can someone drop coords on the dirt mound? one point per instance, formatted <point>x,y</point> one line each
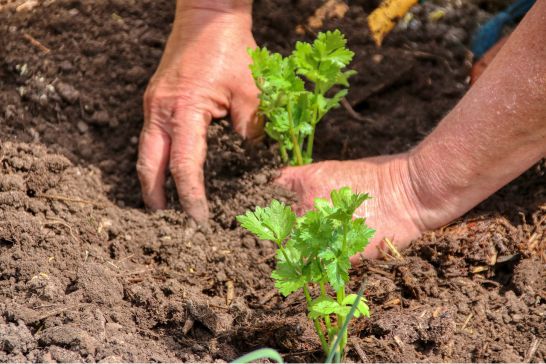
<point>86,274</point>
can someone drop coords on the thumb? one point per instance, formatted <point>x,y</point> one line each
<point>188,153</point>
<point>289,179</point>
<point>246,119</point>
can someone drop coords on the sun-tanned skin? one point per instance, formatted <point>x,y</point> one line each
<point>495,132</point>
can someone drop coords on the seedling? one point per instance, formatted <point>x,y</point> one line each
<point>293,107</point>
<point>314,251</point>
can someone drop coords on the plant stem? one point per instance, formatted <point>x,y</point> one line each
<point>318,329</point>
<point>295,141</point>
<point>341,296</point>
<point>283,251</point>
<point>343,341</point>
<point>297,151</point>
<point>284,155</point>
<point>345,323</point>
<point>310,140</point>
<point>327,317</point>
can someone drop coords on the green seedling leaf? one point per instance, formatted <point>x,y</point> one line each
<point>323,306</point>
<point>346,201</point>
<point>288,277</point>
<point>314,249</point>
<point>271,223</point>
<point>361,308</point>
<point>337,271</point>
<point>291,109</point>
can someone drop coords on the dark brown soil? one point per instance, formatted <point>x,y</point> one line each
<point>86,274</point>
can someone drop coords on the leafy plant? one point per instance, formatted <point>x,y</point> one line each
<point>292,111</point>
<point>314,251</point>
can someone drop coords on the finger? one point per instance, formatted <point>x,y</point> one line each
<point>246,119</point>
<point>153,156</point>
<point>188,153</point>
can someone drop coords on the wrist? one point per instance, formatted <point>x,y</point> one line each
<point>218,6</point>
<point>198,14</point>
<point>441,189</point>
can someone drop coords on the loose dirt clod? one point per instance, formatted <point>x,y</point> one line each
<point>62,299</point>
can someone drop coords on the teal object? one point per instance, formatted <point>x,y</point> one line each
<point>489,33</point>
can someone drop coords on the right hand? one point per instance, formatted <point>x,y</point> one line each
<point>394,211</point>
<point>203,74</point>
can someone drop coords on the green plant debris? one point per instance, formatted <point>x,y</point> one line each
<point>314,251</point>
<point>291,109</point>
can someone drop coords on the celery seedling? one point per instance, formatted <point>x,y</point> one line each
<point>314,250</point>
<point>291,110</point>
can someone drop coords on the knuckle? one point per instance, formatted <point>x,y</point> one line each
<point>182,167</point>
<point>142,168</point>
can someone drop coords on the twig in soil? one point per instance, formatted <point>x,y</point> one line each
<point>188,324</point>
<point>230,292</point>
<point>393,249</point>
<point>384,253</point>
<point>53,313</point>
<point>135,273</point>
<point>62,223</point>
<point>68,199</point>
<point>359,351</point>
<point>381,272</point>
<point>36,43</point>
<point>482,280</point>
<point>266,258</point>
<point>430,56</point>
<point>532,350</point>
<point>268,297</point>
<point>479,269</point>
<point>219,307</point>
<point>355,114</point>
<point>399,342</point>
<point>393,302</point>
<point>465,323</point>
<point>112,264</point>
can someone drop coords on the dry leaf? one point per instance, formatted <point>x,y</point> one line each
<point>383,19</point>
<point>330,9</point>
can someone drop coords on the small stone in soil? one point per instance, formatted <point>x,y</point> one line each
<point>455,36</point>
<point>66,66</point>
<point>67,92</point>
<point>100,118</point>
<point>82,127</point>
<point>260,179</point>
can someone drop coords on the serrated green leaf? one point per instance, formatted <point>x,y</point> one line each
<point>362,307</point>
<point>331,47</point>
<point>274,222</point>
<point>288,278</point>
<point>358,236</point>
<point>337,271</point>
<point>323,206</point>
<point>345,201</point>
<point>314,233</point>
<point>252,222</point>
<point>324,306</point>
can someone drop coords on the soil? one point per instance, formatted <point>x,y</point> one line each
<point>87,274</point>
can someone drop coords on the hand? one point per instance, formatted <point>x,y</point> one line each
<point>203,74</point>
<point>394,211</point>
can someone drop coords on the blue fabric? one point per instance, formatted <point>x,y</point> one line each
<point>489,33</point>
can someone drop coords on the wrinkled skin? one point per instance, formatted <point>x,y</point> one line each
<point>494,134</point>
<point>394,210</point>
<point>203,74</point>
